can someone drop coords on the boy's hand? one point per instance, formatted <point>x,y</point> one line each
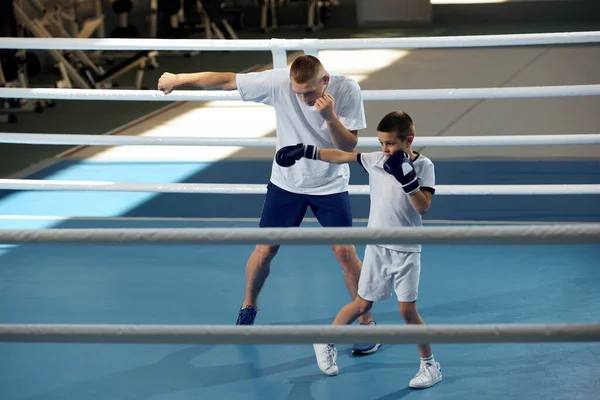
<point>288,155</point>
<point>401,167</point>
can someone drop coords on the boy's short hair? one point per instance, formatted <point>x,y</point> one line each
<point>304,68</point>
<point>399,123</point>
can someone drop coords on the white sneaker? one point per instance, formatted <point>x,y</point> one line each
<point>326,358</point>
<point>428,375</point>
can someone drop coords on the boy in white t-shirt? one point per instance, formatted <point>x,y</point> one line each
<point>312,106</point>
<point>402,183</point>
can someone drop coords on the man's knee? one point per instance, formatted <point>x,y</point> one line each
<point>344,253</point>
<point>265,253</point>
<point>363,305</point>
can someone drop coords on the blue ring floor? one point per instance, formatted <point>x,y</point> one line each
<point>201,284</point>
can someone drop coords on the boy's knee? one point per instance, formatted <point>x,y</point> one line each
<point>409,312</point>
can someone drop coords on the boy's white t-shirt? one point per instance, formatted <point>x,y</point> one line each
<point>390,206</point>
<point>299,123</point>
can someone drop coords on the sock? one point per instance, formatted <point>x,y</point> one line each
<point>428,360</point>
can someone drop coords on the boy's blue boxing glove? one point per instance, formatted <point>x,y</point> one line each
<point>401,167</point>
<point>288,155</point>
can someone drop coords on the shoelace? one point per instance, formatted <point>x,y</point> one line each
<point>246,316</point>
<point>330,353</point>
<point>426,369</point>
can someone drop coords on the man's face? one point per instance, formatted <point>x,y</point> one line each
<point>311,90</point>
<point>390,143</point>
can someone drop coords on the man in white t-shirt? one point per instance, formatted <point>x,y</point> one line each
<point>312,106</point>
<point>402,183</point>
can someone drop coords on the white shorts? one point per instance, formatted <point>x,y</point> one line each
<point>384,269</point>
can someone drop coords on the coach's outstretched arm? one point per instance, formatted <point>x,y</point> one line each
<point>206,80</point>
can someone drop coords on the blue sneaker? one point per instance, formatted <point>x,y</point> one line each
<point>365,349</point>
<point>246,316</point>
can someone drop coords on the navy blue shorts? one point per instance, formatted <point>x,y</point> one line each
<point>283,209</point>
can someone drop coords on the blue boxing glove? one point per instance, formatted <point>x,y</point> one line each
<point>288,155</point>
<point>401,167</point>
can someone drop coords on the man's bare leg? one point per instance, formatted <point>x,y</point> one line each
<point>351,266</point>
<point>257,271</point>
<point>258,268</point>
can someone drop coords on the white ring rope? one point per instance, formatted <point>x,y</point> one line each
<point>489,235</point>
<point>529,39</point>
<point>368,95</point>
<point>296,334</point>
<point>233,188</point>
<point>179,334</point>
<point>435,141</point>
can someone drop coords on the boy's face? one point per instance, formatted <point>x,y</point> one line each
<point>311,90</point>
<point>390,143</point>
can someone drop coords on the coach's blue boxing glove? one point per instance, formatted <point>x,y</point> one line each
<point>401,167</point>
<point>288,155</point>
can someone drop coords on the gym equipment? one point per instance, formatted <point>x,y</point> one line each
<point>212,9</point>
<point>16,66</point>
<point>199,14</point>
<point>77,68</point>
<point>314,12</point>
<point>9,108</point>
<point>124,30</point>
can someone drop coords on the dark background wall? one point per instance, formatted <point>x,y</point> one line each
<point>246,13</point>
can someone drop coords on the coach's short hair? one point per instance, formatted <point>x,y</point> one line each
<point>304,68</point>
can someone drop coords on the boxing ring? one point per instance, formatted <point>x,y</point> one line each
<point>520,318</point>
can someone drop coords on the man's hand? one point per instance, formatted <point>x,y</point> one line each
<point>167,82</point>
<point>324,105</point>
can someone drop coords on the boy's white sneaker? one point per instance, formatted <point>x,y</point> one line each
<point>326,358</point>
<point>428,375</point>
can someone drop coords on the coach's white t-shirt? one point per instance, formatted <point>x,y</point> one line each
<point>300,123</point>
<point>390,206</point>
